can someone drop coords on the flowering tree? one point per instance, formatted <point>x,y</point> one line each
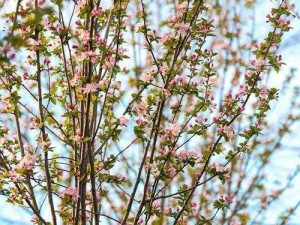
<point>141,112</point>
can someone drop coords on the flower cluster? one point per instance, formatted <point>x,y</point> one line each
<point>70,193</point>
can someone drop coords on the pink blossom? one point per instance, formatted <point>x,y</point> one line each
<point>173,20</point>
<point>235,223</point>
<point>34,219</point>
<point>33,42</point>
<point>228,199</point>
<point>174,104</point>
<point>152,32</point>
<point>199,119</point>
<point>166,38</point>
<point>88,215</point>
<point>156,204</point>
<point>194,154</point>
<point>288,5</point>
<point>242,91</point>
<point>109,62</point>
<point>194,204</point>
<point>101,41</point>
<point>217,117</point>
<point>12,56</point>
<point>215,166</point>
<point>140,109</point>
<point>121,177</point>
<point>5,128</point>
<point>71,192</point>
<point>97,12</point>
<point>102,84</point>
<point>93,56</point>
<point>174,129</point>
<point>46,61</point>
<point>149,166</point>
<point>258,63</point>
<point>283,22</point>
<point>90,88</point>
<point>171,171</point>
<point>34,123</point>
<point>145,78</point>
<point>44,144</point>
<point>77,137</point>
<point>78,23</point>
<point>27,163</point>
<point>75,80</point>
<point>227,177</point>
<point>6,49</point>
<point>182,28</point>
<point>84,36</point>
<point>163,68</point>
<point>181,80</point>
<point>123,121</point>
<point>182,6</point>
<point>141,121</point>
<point>228,130</point>
<point>41,2</point>
<point>6,106</point>
<point>184,154</point>
<point>249,74</point>
<point>79,5</point>
<point>166,92</point>
<point>195,83</point>
<point>14,175</point>
<point>263,92</point>
<point>168,209</point>
<point>116,85</point>
<point>98,197</point>
<point>27,147</point>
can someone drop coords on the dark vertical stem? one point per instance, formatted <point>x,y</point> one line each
<point>42,120</point>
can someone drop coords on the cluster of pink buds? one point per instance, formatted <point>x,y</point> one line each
<point>70,192</point>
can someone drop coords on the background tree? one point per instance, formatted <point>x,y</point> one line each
<point>143,112</point>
